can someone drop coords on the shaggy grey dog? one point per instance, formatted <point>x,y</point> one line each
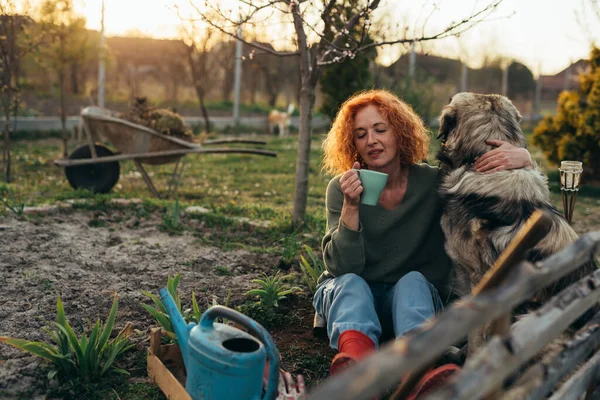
<point>483,212</point>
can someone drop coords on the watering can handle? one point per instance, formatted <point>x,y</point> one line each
<point>257,331</point>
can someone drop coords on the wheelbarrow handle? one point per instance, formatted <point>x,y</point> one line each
<point>221,141</point>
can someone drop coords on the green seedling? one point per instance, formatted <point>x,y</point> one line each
<point>272,289</point>
<point>84,359</point>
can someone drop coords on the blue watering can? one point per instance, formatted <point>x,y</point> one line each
<point>223,362</point>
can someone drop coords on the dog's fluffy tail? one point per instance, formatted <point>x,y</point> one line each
<point>290,109</point>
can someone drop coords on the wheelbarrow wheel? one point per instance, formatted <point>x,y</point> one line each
<point>97,178</point>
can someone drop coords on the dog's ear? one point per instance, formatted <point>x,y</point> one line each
<point>518,115</point>
<point>447,123</point>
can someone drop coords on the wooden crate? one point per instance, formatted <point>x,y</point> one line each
<point>166,367</point>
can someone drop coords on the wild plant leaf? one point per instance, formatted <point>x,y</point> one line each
<point>156,301</point>
<point>228,298</point>
<point>126,331</point>
<point>196,309</point>
<point>52,373</point>
<point>115,349</point>
<point>162,319</point>
<point>60,312</point>
<point>284,293</point>
<point>257,292</point>
<point>172,284</point>
<point>109,324</point>
<point>61,341</point>
<point>39,349</point>
<point>66,330</point>
<point>261,282</point>
<point>83,342</point>
<point>91,353</point>
<point>120,371</point>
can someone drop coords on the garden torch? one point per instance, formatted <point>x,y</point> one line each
<point>570,175</point>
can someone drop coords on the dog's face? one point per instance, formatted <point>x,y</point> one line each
<point>469,120</point>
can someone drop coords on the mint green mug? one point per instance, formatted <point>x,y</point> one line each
<point>373,183</point>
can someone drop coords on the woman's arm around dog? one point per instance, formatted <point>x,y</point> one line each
<point>504,156</point>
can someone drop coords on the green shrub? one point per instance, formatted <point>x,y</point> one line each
<point>85,359</point>
<point>574,132</point>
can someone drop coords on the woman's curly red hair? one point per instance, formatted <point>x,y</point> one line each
<point>339,151</point>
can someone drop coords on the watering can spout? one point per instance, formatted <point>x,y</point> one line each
<point>182,331</point>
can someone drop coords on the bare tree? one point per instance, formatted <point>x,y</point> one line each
<point>311,20</point>
<point>64,31</point>
<point>201,60</point>
<point>15,43</point>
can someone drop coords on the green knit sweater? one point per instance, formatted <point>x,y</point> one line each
<point>390,243</point>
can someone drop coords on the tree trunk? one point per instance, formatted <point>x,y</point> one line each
<point>75,78</point>
<point>272,99</point>
<point>200,94</point>
<point>309,77</point>
<point>253,89</point>
<point>270,87</point>
<point>307,97</point>
<point>6,151</point>
<point>227,85</point>
<point>63,113</point>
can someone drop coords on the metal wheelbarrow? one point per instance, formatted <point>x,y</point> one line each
<point>95,166</point>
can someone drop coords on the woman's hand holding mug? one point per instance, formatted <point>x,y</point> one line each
<point>351,185</point>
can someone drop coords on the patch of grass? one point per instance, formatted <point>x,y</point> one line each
<point>138,391</point>
<point>171,222</point>
<point>96,223</point>
<point>268,317</point>
<point>290,251</point>
<point>241,185</point>
<point>47,284</point>
<point>215,220</point>
<point>11,201</point>
<point>222,271</point>
<point>314,365</point>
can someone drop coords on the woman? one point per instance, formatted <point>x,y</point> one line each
<point>386,268</point>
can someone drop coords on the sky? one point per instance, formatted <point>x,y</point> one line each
<point>543,34</point>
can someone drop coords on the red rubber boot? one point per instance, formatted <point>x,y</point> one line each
<point>352,346</point>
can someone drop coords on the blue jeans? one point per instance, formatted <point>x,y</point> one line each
<point>348,302</point>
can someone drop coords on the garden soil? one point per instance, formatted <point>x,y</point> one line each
<point>63,255</point>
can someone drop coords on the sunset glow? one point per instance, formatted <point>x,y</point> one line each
<point>541,33</point>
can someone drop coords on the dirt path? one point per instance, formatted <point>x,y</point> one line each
<point>62,255</point>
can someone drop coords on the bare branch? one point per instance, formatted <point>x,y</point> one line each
<point>454,29</point>
<point>235,36</point>
<point>355,19</point>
